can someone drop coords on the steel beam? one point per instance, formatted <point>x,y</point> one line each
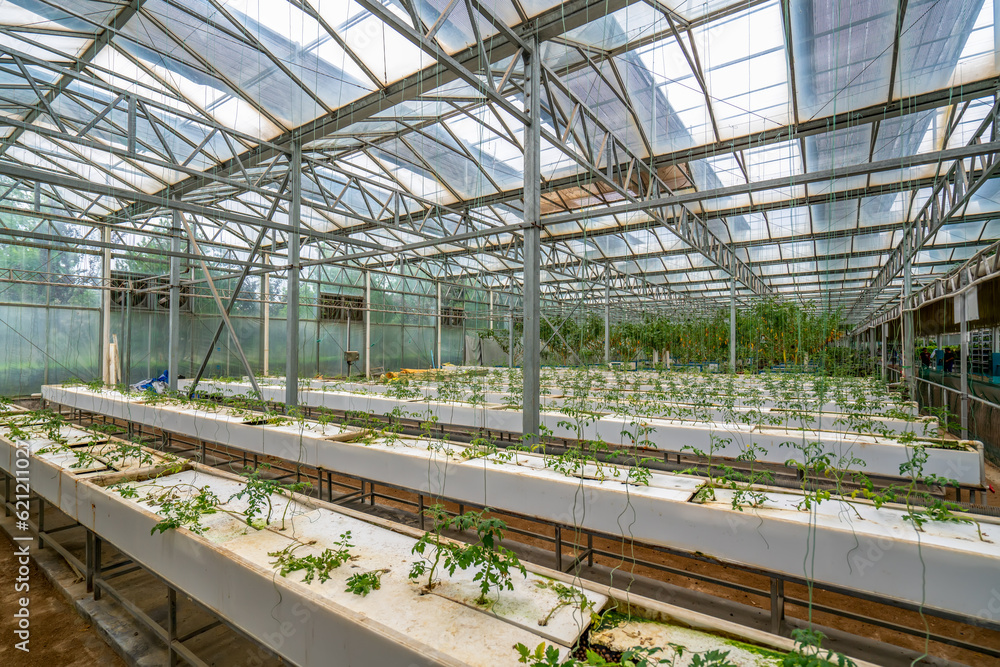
<point>368,324</point>
<point>962,302</point>
<point>174,316</point>
<point>732,324</point>
<point>909,366</point>
<point>532,246</point>
<point>607,314</point>
<point>439,326</point>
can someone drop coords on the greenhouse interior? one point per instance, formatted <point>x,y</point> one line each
<point>618,333</point>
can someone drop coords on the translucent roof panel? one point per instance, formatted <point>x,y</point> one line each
<point>616,29</point>
<point>174,68</point>
<point>211,40</point>
<point>709,94</point>
<point>884,209</point>
<point>367,37</point>
<point>779,160</point>
<point>65,16</point>
<point>842,54</point>
<point>601,93</point>
<point>789,221</point>
<point>836,216</point>
<point>934,39</point>
<point>745,69</point>
<point>684,119</point>
<point>297,43</point>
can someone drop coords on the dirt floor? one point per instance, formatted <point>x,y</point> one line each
<point>993,479</point>
<point>59,636</point>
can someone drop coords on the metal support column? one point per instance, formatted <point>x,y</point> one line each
<point>732,324</point>
<point>368,324</point>
<point>265,306</point>
<point>909,368</point>
<point>491,308</point>
<point>510,339</point>
<point>963,301</point>
<point>777,605</point>
<point>106,306</point>
<point>47,267</point>
<point>437,340</point>
<point>171,625</point>
<point>174,315</point>
<point>607,314</point>
<point>532,242</point>
<point>292,316</point>
<point>885,344</point>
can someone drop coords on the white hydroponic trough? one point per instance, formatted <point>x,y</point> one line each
<point>854,546</point>
<point>230,569</point>
<point>962,461</point>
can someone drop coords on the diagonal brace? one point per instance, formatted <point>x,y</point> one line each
<point>218,302</point>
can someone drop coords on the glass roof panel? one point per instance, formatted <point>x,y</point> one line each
<point>867,242</point>
<point>410,175</point>
<point>797,250</point>
<point>765,253</point>
<point>839,148</point>
<point>179,71</point>
<point>884,209</point>
<point>985,199</point>
<point>600,92</point>
<point>50,47</point>
<point>213,40</point>
<point>960,232</point>
<point>789,221</point>
<point>694,9</point>
<point>774,161</point>
<point>835,216</point>
<point>114,67</point>
<point>16,94</point>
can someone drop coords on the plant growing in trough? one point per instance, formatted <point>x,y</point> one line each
<point>636,656</point>
<point>257,493</point>
<point>364,583</point>
<point>492,562</point>
<point>566,596</point>
<point>183,510</point>
<point>314,565</point>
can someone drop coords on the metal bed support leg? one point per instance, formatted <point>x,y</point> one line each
<point>777,605</point>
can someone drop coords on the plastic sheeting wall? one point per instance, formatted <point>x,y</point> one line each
<point>40,345</point>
